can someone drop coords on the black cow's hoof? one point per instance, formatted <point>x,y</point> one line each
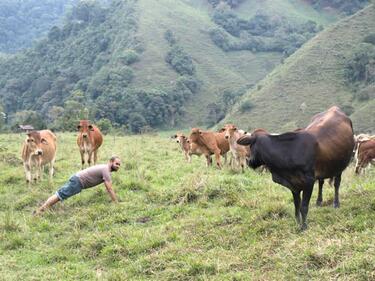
<point>336,205</point>
<point>319,203</point>
<point>303,227</point>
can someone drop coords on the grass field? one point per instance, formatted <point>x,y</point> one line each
<point>177,221</point>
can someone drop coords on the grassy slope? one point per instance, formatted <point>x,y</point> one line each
<point>190,21</point>
<point>178,221</point>
<point>314,75</point>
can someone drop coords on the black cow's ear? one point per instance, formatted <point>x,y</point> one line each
<point>247,140</point>
<point>221,130</point>
<point>91,128</point>
<point>79,127</point>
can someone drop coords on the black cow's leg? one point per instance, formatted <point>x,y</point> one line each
<point>336,202</point>
<point>306,195</point>
<point>297,205</point>
<point>320,193</point>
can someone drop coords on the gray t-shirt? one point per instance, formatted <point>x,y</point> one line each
<point>94,175</point>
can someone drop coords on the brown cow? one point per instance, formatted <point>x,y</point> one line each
<point>89,140</point>
<point>297,159</point>
<point>182,140</point>
<point>365,155</point>
<point>209,143</point>
<point>39,149</point>
<point>239,152</point>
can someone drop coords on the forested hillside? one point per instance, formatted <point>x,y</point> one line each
<point>337,67</point>
<point>153,64</point>
<point>21,22</point>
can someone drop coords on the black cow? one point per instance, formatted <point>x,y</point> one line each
<point>296,159</point>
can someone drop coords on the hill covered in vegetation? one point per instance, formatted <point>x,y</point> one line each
<point>159,64</point>
<point>336,67</point>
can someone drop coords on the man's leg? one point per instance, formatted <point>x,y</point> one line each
<point>72,187</point>
<point>50,202</point>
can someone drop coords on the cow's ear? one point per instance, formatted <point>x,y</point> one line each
<point>174,136</point>
<point>247,140</point>
<point>235,128</point>
<point>91,128</point>
<point>79,127</point>
<point>44,141</point>
<point>200,132</point>
<point>221,130</point>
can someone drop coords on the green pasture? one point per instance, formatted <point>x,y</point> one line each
<point>177,221</point>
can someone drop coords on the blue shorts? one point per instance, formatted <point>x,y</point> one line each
<point>73,186</point>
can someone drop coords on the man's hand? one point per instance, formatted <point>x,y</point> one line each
<point>108,186</point>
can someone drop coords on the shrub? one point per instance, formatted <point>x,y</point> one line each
<point>170,37</point>
<point>348,109</point>
<point>370,39</point>
<point>104,125</point>
<point>180,61</point>
<point>246,106</point>
<point>129,57</point>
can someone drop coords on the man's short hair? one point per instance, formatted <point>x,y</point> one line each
<point>113,158</point>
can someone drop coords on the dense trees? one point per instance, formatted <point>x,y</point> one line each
<point>23,21</point>
<point>345,6</point>
<point>262,33</point>
<point>360,69</point>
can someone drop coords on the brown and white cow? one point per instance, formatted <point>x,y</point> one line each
<point>209,143</point>
<point>89,140</point>
<point>297,159</point>
<point>182,140</point>
<point>39,149</point>
<point>239,152</point>
<point>365,155</point>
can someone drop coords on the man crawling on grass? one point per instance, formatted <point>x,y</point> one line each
<point>86,178</point>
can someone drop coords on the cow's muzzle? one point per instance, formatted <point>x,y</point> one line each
<point>84,135</point>
<point>39,152</point>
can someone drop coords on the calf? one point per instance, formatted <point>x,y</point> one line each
<point>296,159</point>
<point>239,152</point>
<point>39,149</point>
<point>209,143</point>
<point>89,140</point>
<point>365,155</point>
<point>182,140</point>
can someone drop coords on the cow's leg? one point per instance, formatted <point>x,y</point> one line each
<point>217,158</point>
<point>306,195</point>
<point>27,168</point>
<point>51,168</point>
<point>89,158</point>
<point>82,158</point>
<point>336,202</point>
<point>95,156</point>
<point>320,193</point>
<point>208,159</point>
<point>243,163</point>
<point>358,167</point>
<point>297,205</point>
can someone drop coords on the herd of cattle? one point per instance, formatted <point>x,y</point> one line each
<point>295,159</point>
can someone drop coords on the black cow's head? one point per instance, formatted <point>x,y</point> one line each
<point>252,140</point>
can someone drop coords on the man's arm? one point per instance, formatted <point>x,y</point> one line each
<point>108,186</point>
